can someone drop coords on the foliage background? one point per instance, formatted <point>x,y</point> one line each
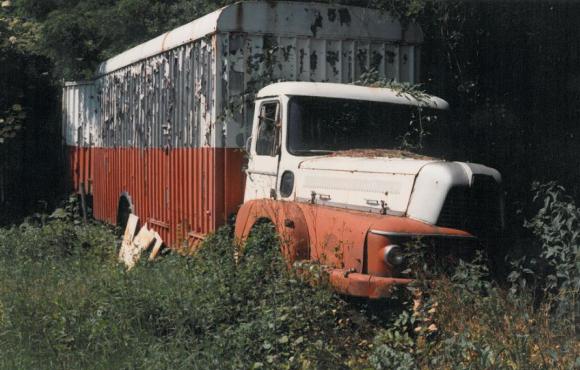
<point>510,70</point>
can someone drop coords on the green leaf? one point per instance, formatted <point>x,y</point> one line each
<point>58,213</point>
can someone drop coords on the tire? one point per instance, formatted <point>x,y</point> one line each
<point>124,209</point>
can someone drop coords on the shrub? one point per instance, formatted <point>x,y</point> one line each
<point>467,321</point>
<point>65,302</point>
<point>68,304</point>
<point>556,228</point>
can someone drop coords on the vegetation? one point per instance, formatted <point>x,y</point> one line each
<point>509,71</point>
<point>68,304</point>
<point>65,302</point>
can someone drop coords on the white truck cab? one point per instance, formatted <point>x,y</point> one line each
<point>335,145</point>
<point>330,152</point>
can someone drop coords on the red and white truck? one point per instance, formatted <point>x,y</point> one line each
<point>251,111</point>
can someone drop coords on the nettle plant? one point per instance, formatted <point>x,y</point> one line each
<point>556,228</point>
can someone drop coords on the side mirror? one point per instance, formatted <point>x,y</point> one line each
<point>248,145</point>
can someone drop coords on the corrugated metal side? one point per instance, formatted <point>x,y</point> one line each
<point>170,190</point>
<point>167,101</point>
<point>80,114</point>
<point>79,165</point>
<point>80,118</point>
<point>156,145</point>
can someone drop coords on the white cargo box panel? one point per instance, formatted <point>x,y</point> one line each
<point>80,108</point>
<point>194,86</point>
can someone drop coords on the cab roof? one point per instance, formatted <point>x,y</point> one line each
<point>351,92</point>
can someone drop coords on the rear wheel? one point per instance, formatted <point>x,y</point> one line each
<point>124,209</point>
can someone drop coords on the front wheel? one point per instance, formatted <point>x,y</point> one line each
<point>262,239</point>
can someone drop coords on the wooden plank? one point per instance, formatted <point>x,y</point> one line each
<point>156,247</point>
<point>127,242</point>
<point>141,242</point>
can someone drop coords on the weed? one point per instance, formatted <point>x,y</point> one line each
<point>66,303</point>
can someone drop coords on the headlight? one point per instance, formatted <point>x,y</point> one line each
<point>393,255</point>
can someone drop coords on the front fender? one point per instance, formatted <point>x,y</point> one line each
<point>288,220</point>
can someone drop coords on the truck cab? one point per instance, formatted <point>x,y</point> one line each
<point>324,167</point>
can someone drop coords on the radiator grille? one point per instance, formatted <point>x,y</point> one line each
<point>437,256</point>
<point>476,209</point>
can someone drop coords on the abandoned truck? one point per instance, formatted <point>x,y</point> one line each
<point>193,127</point>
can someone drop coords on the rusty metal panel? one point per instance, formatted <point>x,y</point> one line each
<point>181,197</point>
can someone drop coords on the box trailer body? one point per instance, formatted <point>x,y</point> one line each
<point>162,127</point>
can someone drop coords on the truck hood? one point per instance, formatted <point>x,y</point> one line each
<point>369,184</point>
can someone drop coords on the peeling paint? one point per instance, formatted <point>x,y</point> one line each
<point>313,61</point>
<point>344,16</point>
<point>390,56</point>
<point>317,24</point>
<point>361,57</point>
<point>331,14</point>
<point>376,60</point>
<point>333,57</point>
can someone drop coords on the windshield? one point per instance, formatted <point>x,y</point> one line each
<point>318,125</point>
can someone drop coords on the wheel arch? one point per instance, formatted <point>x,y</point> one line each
<point>125,207</point>
<point>288,220</point>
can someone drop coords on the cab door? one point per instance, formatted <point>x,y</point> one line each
<point>262,172</point>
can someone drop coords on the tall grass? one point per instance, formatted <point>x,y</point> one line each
<point>66,303</point>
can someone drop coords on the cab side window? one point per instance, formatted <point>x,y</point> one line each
<point>267,142</point>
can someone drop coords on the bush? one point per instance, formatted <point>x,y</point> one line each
<point>68,304</point>
<point>556,228</point>
<point>467,321</point>
<point>65,302</point>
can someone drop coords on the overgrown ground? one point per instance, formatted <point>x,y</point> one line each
<point>65,303</point>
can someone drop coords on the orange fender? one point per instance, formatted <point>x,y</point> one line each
<point>288,219</point>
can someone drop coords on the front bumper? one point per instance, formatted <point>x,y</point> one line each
<point>363,285</point>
